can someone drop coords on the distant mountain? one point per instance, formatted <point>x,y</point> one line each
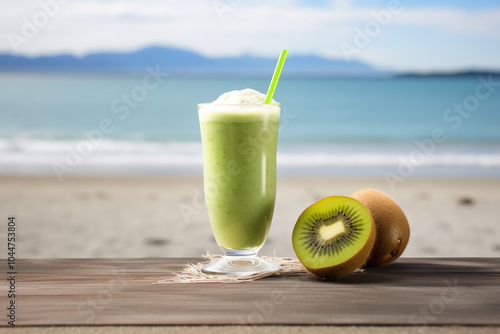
<point>177,61</point>
<point>462,74</point>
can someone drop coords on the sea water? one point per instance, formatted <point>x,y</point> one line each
<point>113,124</point>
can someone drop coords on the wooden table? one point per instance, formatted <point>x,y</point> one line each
<point>413,291</point>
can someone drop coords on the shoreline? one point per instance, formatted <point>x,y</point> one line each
<point>164,216</point>
<point>33,157</point>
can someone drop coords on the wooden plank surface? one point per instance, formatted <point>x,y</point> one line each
<point>428,291</point>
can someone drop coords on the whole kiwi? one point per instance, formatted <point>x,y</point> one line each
<point>391,224</point>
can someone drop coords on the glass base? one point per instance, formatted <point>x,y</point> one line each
<point>239,265</point>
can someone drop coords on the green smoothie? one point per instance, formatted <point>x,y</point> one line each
<point>239,167</point>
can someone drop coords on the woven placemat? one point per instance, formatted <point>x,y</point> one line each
<point>192,271</point>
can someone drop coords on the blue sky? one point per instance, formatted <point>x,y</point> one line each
<point>425,35</point>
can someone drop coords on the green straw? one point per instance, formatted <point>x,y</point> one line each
<point>276,77</point>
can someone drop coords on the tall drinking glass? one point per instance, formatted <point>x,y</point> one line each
<point>239,172</point>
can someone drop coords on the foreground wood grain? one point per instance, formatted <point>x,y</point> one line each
<point>420,291</point>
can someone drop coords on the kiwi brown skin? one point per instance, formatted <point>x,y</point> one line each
<point>349,266</point>
<point>393,230</point>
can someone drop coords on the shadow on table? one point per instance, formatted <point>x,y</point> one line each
<point>434,270</point>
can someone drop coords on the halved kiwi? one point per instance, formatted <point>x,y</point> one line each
<point>393,231</point>
<point>334,236</point>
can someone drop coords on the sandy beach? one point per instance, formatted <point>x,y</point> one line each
<point>99,217</point>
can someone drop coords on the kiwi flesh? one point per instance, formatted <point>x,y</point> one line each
<point>334,236</point>
<point>393,230</point>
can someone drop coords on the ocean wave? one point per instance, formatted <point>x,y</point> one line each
<point>389,160</point>
<point>139,156</point>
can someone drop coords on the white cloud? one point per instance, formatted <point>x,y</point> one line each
<point>254,27</point>
<point>457,21</point>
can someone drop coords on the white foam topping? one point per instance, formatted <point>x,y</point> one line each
<point>239,106</point>
<point>244,96</point>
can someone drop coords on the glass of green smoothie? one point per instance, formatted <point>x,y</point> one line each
<point>239,136</point>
